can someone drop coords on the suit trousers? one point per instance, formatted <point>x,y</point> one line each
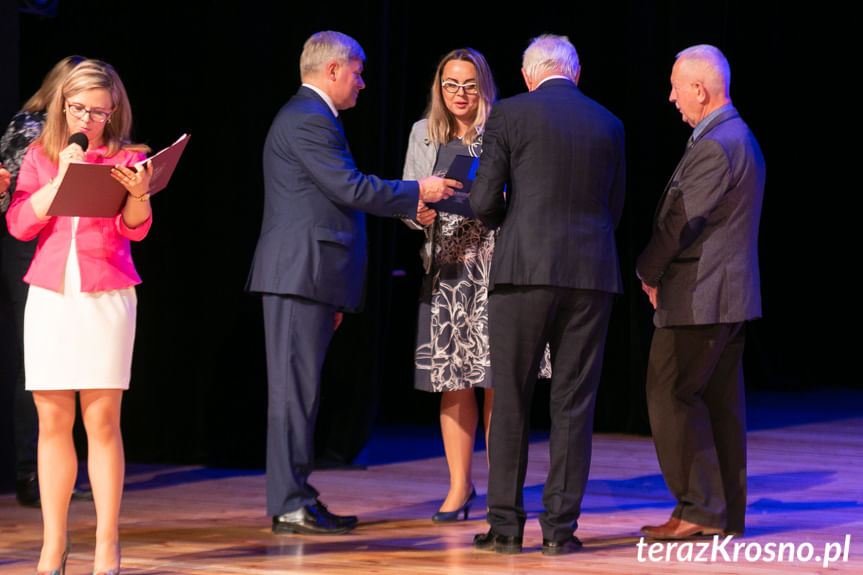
<point>696,404</point>
<point>297,333</point>
<point>522,319</point>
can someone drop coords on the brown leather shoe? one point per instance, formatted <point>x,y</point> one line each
<point>676,528</point>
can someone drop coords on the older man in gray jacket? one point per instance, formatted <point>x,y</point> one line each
<point>700,270</point>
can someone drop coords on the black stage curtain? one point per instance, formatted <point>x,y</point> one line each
<point>8,350</point>
<point>220,71</point>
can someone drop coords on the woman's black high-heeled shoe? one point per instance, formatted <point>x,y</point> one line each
<point>60,570</point>
<point>449,516</point>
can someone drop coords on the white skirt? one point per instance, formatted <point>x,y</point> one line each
<point>77,340</point>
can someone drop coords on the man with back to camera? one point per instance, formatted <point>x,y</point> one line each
<point>700,271</point>
<point>310,263</point>
<point>552,176</point>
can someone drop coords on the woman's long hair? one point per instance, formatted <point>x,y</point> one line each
<point>39,101</point>
<point>442,124</point>
<point>89,75</point>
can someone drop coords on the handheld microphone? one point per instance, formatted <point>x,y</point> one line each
<point>79,138</point>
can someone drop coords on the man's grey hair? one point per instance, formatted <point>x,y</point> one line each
<point>714,68</point>
<point>326,46</point>
<point>550,54</point>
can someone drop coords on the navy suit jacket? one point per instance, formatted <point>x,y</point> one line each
<point>703,254</point>
<point>313,234</point>
<point>561,157</point>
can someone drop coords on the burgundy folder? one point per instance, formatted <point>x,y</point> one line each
<point>89,190</point>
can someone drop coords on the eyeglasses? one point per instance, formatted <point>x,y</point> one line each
<point>79,111</point>
<point>451,87</point>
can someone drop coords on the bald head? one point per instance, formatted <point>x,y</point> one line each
<point>709,66</point>
<point>700,82</point>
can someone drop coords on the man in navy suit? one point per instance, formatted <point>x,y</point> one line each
<point>700,271</point>
<point>310,262</point>
<point>552,177</point>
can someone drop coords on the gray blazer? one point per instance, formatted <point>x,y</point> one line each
<point>419,163</point>
<point>703,255</point>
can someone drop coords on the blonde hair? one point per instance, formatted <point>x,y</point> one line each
<point>442,124</point>
<point>89,75</point>
<point>39,101</point>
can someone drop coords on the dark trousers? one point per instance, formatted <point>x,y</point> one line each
<point>697,411</point>
<point>297,332</point>
<point>521,320</point>
<point>15,258</point>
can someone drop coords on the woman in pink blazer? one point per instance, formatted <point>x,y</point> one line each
<point>79,322</point>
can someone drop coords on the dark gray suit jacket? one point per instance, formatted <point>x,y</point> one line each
<point>313,234</point>
<point>703,255</point>
<point>561,157</point>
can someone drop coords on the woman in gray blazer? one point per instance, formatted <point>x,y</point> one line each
<point>452,354</point>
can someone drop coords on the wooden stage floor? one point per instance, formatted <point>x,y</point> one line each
<point>805,497</point>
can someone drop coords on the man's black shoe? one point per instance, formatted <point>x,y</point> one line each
<point>314,520</point>
<point>570,545</point>
<point>492,541</point>
<point>27,491</point>
<point>341,520</point>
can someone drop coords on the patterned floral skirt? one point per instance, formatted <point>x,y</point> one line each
<point>452,328</point>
